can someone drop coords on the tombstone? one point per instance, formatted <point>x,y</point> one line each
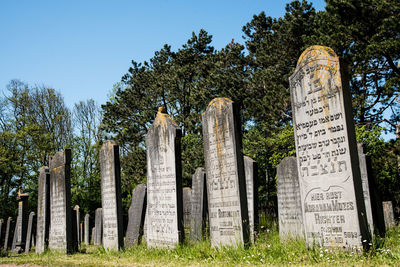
<point>136,214</point>
<point>7,235</point>
<point>250,170</point>
<point>93,235</point>
<point>61,224</point>
<point>43,211</point>
<point>388,214</point>
<point>164,183</point>
<point>77,222</point>
<point>187,207</point>
<point>15,233</point>
<point>29,232</point>
<point>87,240</point>
<point>21,224</point>
<point>199,205</point>
<point>113,238</point>
<point>98,222</point>
<point>327,159</point>
<point>289,202</point>
<point>226,183</point>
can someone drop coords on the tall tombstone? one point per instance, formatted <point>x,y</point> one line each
<point>289,202</point>
<point>199,205</point>
<point>22,222</point>
<point>113,238</point>
<point>136,214</point>
<point>226,184</point>
<point>61,229</point>
<point>388,214</point>
<point>327,158</point>
<point>93,235</point>
<point>164,183</point>
<point>7,235</point>
<point>43,211</point>
<point>187,207</point>
<point>250,170</point>
<point>29,232</point>
<point>77,222</point>
<point>86,226</point>
<point>98,222</point>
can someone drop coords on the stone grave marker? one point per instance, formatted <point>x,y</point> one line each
<point>61,229</point>
<point>22,222</point>
<point>199,205</point>
<point>327,158</point>
<point>29,232</point>
<point>187,208</point>
<point>43,211</point>
<point>388,214</point>
<point>7,235</point>
<point>15,233</point>
<point>164,183</point>
<point>77,222</point>
<point>87,239</point>
<point>113,238</point>
<point>98,226</point>
<point>226,184</point>
<point>136,214</point>
<point>250,170</point>
<point>93,235</point>
<point>289,202</point>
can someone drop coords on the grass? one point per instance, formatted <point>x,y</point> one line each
<point>267,250</point>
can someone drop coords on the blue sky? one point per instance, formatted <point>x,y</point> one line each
<point>82,48</point>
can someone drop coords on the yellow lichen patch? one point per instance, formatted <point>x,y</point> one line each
<point>220,102</point>
<point>162,118</point>
<point>316,52</point>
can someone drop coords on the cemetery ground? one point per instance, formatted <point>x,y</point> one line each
<point>267,250</point>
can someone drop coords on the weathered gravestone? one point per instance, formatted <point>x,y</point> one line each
<point>327,159</point>
<point>164,183</point>
<point>29,232</point>
<point>199,205</point>
<point>226,184</point>
<point>61,224</point>
<point>388,214</point>
<point>98,222</point>
<point>136,213</point>
<point>7,235</point>
<point>113,238</point>
<point>77,222</point>
<point>93,235</point>
<point>87,239</point>
<point>365,186</point>
<point>187,208</point>
<point>289,202</point>
<point>43,211</point>
<point>21,223</point>
<point>250,170</point>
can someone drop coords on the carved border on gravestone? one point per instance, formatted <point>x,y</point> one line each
<point>61,229</point>
<point>164,183</point>
<point>327,158</point>
<point>136,213</point>
<point>111,196</point>
<point>43,211</point>
<point>226,184</point>
<point>199,205</point>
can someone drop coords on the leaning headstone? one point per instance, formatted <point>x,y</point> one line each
<point>7,235</point>
<point>136,214</point>
<point>93,235</point>
<point>14,240</point>
<point>29,232</point>
<point>289,202</point>
<point>226,184</point>
<point>187,207</point>
<point>199,205</point>
<point>250,170</point>
<point>77,222</point>
<point>327,159</point>
<point>86,239</point>
<point>22,222</point>
<point>61,229</point>
<point>164,183</point>
<point>113,238</point>
<point>98,222</point>
<point>388,214</point>
<point>43,211</point>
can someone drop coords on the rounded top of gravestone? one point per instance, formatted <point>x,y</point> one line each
<point>43,169</point>
<point>248,159</point>
<point>60,158</point>
<point>32,213</point>
<point>220,102</point>
<point>163,118</point>
<point>76,207</point>
<point>314,53</point>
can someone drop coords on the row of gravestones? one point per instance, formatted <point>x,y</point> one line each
<point>326,194</point>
